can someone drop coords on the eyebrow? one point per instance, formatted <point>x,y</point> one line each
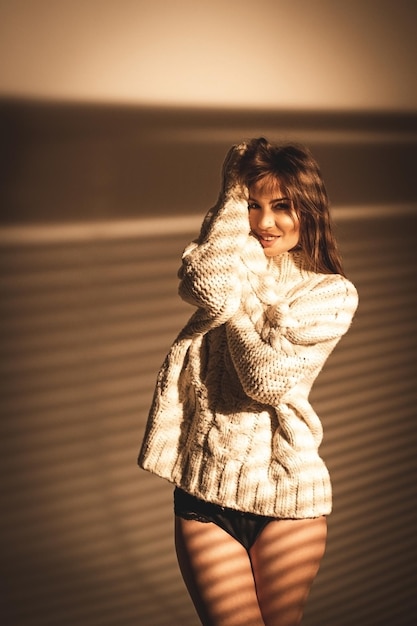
<point>272,201</point>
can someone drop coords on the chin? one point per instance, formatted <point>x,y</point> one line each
<point>268,252</point>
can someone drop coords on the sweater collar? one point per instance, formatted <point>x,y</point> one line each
<point>266,274</point>
<point>288,266</point>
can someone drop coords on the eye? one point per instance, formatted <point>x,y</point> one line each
<point>282,206</point>
<point>252,205</point>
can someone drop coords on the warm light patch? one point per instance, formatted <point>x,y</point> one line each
<point>281,55</point>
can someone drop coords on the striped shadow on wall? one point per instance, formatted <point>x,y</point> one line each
<point>88,312</point>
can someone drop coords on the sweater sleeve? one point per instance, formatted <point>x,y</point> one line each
<point>210,272</point>
<point>209,275</point>
<point>294,341</point>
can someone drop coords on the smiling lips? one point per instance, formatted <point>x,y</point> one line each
<point>267,240</point>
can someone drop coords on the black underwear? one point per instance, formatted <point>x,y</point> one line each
<point>244,527</point>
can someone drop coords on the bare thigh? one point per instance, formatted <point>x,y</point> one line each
<point>218,574</point>
<point>285,560</point>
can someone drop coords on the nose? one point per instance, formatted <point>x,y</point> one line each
<point>266,219</point>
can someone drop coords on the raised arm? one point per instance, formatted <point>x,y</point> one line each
<point>209,275</point>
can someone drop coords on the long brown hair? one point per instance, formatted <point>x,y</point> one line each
<point>299,177</point>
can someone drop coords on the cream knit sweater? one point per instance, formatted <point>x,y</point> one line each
<point>230,420</point>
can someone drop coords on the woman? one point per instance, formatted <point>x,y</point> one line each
<point>230,424</point>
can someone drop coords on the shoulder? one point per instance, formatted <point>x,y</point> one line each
<point>333,285</point>
<point>324,295</point>
<point>316,285</point>
<point>340,290</point>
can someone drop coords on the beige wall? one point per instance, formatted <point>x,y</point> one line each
<point>302,54</point>
<point>88,313</point>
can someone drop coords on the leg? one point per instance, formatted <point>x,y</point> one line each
<point>285,560</point>
<point>217,572</point>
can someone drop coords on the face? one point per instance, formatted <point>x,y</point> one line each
<point>272,218</point>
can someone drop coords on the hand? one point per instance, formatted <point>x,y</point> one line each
<point>231,205</point>
<point>231,184</point>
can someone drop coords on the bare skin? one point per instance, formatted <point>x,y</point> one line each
<point>267,586</point>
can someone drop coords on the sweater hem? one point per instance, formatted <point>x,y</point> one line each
<point>289,499</point>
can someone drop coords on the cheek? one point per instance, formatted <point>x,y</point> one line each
<point>290,225</point>
<point>294,226</point>
<point>296,233</point>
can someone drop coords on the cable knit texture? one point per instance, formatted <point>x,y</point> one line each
<point>230,420</point>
